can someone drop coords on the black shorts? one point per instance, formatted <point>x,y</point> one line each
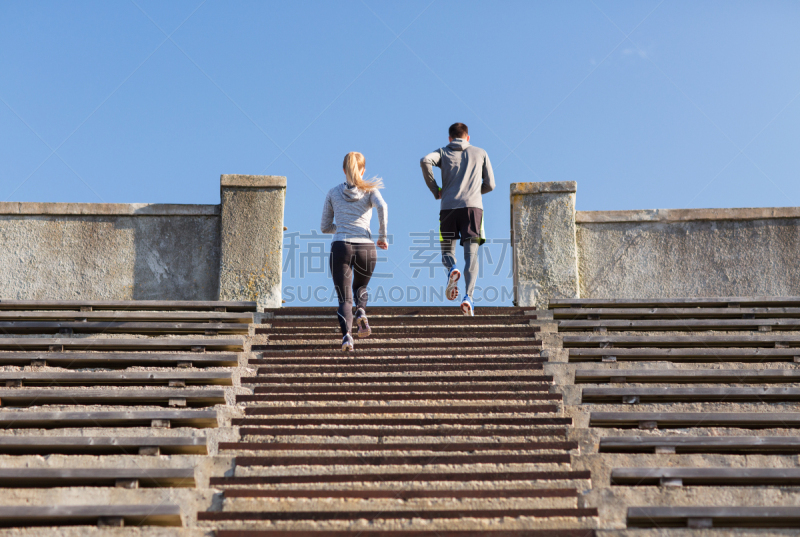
<point>463,223</point>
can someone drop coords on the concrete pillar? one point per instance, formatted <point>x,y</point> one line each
<point>251,226</point>
<point>543,236</point>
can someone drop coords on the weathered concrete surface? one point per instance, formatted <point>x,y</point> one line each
<point>106,209</point>
<point>687,532</point>
<point>679,257</point>
<point>252,238</point>
<point>543,235</point>
<point>686,215</point>
<point>659,253</point>
<point>108,252</point>
<point>613,501</point>
<point>91,251</point>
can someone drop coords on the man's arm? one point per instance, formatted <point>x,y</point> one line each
<point>427,163</point>
<point>488,176</point>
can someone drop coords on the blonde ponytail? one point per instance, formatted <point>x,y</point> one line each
<point>354,166</point>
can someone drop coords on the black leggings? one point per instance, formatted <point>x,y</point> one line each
<point>352,265</point>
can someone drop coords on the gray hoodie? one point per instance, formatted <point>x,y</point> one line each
<point>353,210</point>
<point>466,174</point>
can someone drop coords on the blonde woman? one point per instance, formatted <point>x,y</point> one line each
<point>347,213</point>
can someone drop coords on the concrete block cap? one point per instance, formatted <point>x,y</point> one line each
<point>544,188</point>
<point>252,181</point>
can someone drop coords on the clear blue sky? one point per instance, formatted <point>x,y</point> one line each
<point>649,104</point>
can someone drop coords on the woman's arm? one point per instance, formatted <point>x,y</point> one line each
<point>383,213</point>
<point>327,225</point>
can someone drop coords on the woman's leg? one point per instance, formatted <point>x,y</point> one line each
<point>340,262</point>
<point>364,265</point>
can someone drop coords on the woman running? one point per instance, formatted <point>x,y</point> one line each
<point>353,253</point>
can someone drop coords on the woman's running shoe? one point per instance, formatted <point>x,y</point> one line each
<point>452,284</point>
<point>363,324</point>
<point>466,306</point>
<point>347,343</point>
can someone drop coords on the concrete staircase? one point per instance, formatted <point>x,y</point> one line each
<point>437,425</point>
<point>685,410</point>
<point>181,419</point>
<point>109,412</point>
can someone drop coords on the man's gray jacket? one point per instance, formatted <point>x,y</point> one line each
<point>466,174</point>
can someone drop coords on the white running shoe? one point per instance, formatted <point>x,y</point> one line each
<point>452,284</point>
<point>363,324</point>
<point>466,306</point>
<point>347,343</point>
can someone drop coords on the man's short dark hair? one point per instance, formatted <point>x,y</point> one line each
<point>458,130</point>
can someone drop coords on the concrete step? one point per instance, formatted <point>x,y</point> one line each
<point>102,445</point>
<point>693,353</point>
<point>83,344</point>
<point>26,397</point>
<point>100,515</point>
<point>443,529</point>
<point>378,333</point>
<point>399,311</point>
<point>219,306</point>
<point>527,493</point>
<point>465,431</point>
<point>699,340</point>
<point>342,379</point>
<point>273,352</point>
<point>391,348</point>
<point>709,477</point>
<point>96,477</point>
<point>446,322</point>
<point>679,325</point>
<point>117,360</point>
<point>699,517</point>
<point>128,316</point>
<point>634,395</point>
<point>344,361</point>
<point>428,514</point>
<point>136,418</point>
<point>603,313</point>
<point>115,378</point>
<point>397,446</point>
<point>443,365</point>
<point>408,476</point>
<point>428,396</point>
<point>686,376</point>
<point>687,302</point>
<point>737,445</point>
<point>432,500</point>
<point>121,327</point>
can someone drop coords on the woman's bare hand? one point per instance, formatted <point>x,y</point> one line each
<point>383,245</point>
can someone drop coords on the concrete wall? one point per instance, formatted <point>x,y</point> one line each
<point>252,238</point>
<point>68,251</point>
<point>706,252</point>
<point>543,235</point>
<point>649,254</point>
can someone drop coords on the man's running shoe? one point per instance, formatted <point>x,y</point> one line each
<point>347,343</point>
<point>466,306</point>
<point>452,284</point>
<point>363,325</point>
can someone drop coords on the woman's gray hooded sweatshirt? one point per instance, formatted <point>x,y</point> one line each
<point>352,208</point>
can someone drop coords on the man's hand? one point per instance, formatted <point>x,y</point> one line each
<point>383,245</point>
<point>439,195</point>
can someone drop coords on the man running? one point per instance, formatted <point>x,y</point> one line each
<point>466,176</point>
